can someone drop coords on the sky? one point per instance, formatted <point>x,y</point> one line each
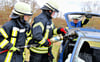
<point>67,5</point>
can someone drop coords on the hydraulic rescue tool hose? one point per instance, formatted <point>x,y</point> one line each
<point>53,40</point>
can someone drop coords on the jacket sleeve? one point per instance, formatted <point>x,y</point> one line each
<point>57,31</point>
<point>54,30</point>
<point>38,30</point>
<point>85,21</point>
<point>4,35</point>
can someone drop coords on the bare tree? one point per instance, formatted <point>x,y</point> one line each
<point>91,6</point>
<point>6,7</point>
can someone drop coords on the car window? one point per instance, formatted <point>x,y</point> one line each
<point>90,51</point>
<point>93,23</point>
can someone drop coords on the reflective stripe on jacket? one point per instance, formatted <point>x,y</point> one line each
<point>43,29</point>
<point>12,34</point>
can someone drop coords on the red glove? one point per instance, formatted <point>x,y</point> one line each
<point>49,42</point>
<point>61,31</point>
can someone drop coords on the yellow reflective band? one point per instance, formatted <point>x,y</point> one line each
<point>27,41</point>
<point>14,33</point>
<point>3,33</point>
<point>45,37</point>
<point>39,24</point>
<point>67,28</point>
<point>41,48</point>
<point>75,39</point>
<point>46,34</point>
<point>24,55</point>
<point>42,41</point>
<point>82,21</point>
<point>28,33</point>
<point>13,41</point>
<point>8,57</point>
<point>38,51</point>
<point>55,31</point>
<point>4,43</point>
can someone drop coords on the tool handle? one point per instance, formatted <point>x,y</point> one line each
<point>4,51</point>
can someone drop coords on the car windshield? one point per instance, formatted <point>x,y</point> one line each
<point>93,23</point>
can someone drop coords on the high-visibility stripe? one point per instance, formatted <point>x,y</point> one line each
<point>14,33</point>
<point>24,53</point>
<point>27,41</point>
<point>38,51</point>
<point>4,43</point>
<point>28,33</point>
<point>40,48</point>
<point>42,41</point>
<point>55,31</point>
<point>19,30</point>
<point>43,49</point>
<point>3,33</point>
<point>8,57</point>
<point>13,41</point>
<point>39,24</point>
<point>67,28</point>
<point>75,39</point>
<point>82,21</point>
<point>28,38</point>
<point>45,37</point>
<point>46,34</point>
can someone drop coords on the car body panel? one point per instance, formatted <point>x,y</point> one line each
<point>84,34</point>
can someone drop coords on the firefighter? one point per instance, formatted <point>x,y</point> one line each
<point>77,23</point>
<point>43,30</point>
<point>14,33</point>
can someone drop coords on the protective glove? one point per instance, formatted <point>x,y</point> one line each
<point>13,49</point>
<point>49,42</point>
<point>61,31</point>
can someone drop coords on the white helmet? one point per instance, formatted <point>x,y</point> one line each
<point>21,9</point>
<point>76,17</point>
<point>50,5</point>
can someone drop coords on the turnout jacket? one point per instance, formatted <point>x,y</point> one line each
<point>13,33</point>
<point>80,23</point>
<point>43,29</point>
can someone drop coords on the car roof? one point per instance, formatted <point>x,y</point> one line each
<point>82,13</point>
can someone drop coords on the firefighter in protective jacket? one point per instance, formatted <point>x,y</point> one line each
<point>43,30</point>
<point>14,33</point>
